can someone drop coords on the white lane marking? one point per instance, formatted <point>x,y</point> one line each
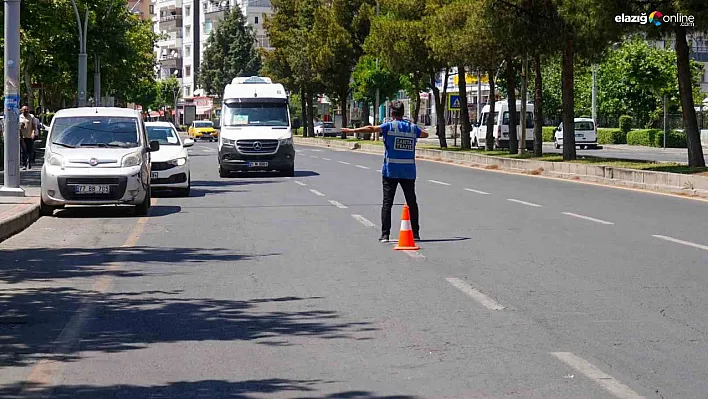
<point>344,163</point>
<point>596,375</point>
<point>298,150</point>
<point>414,254</point>
<point>298,182</point>
<point>439,182</point>
<point>362,167</point>
<point>314,150</point>
<point>326,159</point>
<point>477,191</point>
<point>366,222</point>
<point>587,218</point>
<point>206,149</point>
<point>688,243</point>
<point>337,204</point>
<point>312,156</point>
<point>317,193</point>
<point>483,300</point>
<point>523,202</point>
<point>378,170</point>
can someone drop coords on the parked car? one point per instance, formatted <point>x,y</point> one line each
<point>325,129</point>
<point>203,130</point>
<point>585,134</point>
<point>170,165</point>
<point>97,156</point>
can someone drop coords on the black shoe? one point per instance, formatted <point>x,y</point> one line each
<point>384,238</point>
<point>416,236</point>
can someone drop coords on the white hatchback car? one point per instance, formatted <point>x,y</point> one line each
<point>585,134</point>
<point>170,165</point>
<point>97,156</point>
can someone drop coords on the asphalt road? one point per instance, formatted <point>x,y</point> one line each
<point>263,286</point>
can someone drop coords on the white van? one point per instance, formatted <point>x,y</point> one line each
<point>256,130</point>
<point>501,131</point>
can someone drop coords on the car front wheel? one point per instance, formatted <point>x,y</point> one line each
<point>142,208</point>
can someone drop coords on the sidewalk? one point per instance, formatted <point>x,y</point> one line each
<point>18,213</point>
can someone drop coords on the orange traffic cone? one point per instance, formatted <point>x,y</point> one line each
<point>406,241</point>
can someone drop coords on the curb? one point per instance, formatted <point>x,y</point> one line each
<point>663,182</point>
<point>19,221</point>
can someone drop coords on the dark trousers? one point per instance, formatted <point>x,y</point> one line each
<point>27,153</point>
<point>389,193</point>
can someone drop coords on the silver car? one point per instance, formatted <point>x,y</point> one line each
<point>97,156</point>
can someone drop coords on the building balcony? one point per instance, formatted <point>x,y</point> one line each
<point>217,11</point>
<point>171,62</point>
<point>171,22</point>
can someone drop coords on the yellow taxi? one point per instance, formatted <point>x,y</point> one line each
<point>203,130</point>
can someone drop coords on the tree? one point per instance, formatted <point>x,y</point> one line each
<point>230,52</point>
<point>367,77</point>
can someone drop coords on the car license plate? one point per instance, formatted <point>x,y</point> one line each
<point>153,175</point>
<point>92,189</point>
<point>582,136</point>
<point>257,164</point>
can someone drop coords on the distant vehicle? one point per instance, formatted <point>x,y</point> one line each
<point>97,156</point>
<point>585,134</point>
<point>256,133</point>
<point>501,130</point>
<point>170,165</point>
<point>203,130</point>
<point>325,129</point>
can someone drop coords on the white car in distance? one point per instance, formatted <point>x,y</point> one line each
<point>585,134</point>
<point>170,164</point>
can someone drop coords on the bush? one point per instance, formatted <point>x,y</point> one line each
<point>645,137</point>
<point>548,132</point>
<point>611,136</point>
<point>626,123</point>
<point>673,140</point>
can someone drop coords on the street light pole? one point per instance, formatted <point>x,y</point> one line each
<point>83,57</point>
<point>594,94</point>
<point>376,108</point>
<point>11,185</point>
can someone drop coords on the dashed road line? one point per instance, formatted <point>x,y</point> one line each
<point>344,163</point>
<point>687,243</point>
<point>312,156</point>
<point>299,183</point>
<point>523,202</point>
<point>596,375</point>
<point>317,193</point>
<point>366,222</point>
<point>477,191</point>
<point>326,159</point>
<point>587,218</point>
<point>362,167</point>
<point>378,170</point>
<point>475,294</point>
<point>439,182</point>
<point>337,204</point>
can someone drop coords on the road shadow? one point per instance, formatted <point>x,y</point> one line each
<point>257,174</point>
<point>218,389</point>
<point>305,173</point>
<point>445,239</point>
<point>113,211</point>
<point>28,178</point>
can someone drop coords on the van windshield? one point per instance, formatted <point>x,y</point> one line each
<point>256,114</point>
<point>584,125</point>
<point>95,131</point>
<point>529,119</point>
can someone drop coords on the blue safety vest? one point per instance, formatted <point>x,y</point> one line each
<point>399,158</point>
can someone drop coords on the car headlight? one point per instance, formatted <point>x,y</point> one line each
<point>133,159</point>
<point>228,142</point>
<point>177,162</point>
<point>55,159</point>
<point>287,141</point>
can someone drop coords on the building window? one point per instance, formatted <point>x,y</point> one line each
<point>207,27</point>
<point>205,6</point>
<point>256,20</point>
<point>187,51</point>
<point>187,10</point>
<point>188,71</point>
<point>152,9</point>
<point>188,31</point>
<point>188,91</point>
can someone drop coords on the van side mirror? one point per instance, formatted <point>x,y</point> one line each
<point>154,146</point>
<point>188,142</point>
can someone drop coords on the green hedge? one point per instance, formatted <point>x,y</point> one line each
<point>626,123</point>
<point>548,132</point>
<point>673,140</point>
<point>655,138</point>
<point>611,136</point>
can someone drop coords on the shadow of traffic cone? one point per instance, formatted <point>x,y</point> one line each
<point>406,241</point>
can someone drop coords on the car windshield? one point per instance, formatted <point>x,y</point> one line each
<point>329,125</point>
<point>254,114</point>
<point>584,125</point>
<point>164,134</point>
<point>203,124</point>
<point>95,131</point>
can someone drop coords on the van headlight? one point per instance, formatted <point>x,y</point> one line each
<point>287,141</point>
<point>133,159</point>
<point>177,161</point>
<point>228,142</point>
<point>55,160</point>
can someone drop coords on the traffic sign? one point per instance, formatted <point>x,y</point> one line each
<point>453,101</point>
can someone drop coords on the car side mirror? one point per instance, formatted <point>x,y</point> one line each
<point>154,146</point>
<point>188,143</point>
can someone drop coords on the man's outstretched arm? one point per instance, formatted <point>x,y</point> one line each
<point>365,129</point>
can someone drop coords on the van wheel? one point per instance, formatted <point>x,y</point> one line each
<point>474,143</point>
<point>583,147</point>
<point>142,208</point>
<point>289,172</point>
<point>556,145</point>
<point>44,209</point>
<point>223,172</point>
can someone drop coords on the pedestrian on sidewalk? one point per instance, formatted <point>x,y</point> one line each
<point>27,129</point>
<point>399,137</point>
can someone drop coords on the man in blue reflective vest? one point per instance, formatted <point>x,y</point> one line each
<point>399,139</point>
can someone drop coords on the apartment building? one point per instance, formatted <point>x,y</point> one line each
<point>141,8</point>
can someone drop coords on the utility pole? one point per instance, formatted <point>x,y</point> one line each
<point>524,77</point>
<point>376,106</point>
<point>11,185</point>
<point>97,82</point>
<point>83,57</point>
<point>666,116</point>
<point>594,94</point>
<point>479,95</point>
